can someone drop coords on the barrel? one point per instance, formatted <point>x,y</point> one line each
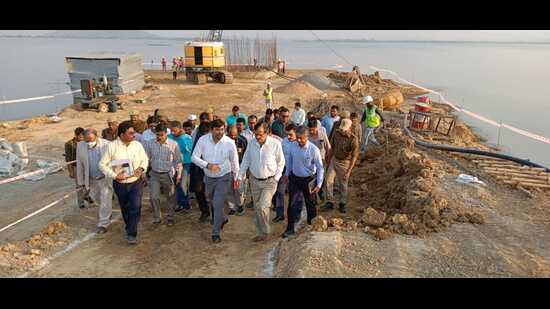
<point>113,106</point>
<point>422,107</point>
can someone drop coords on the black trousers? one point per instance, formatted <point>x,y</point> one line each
<point>297,187</point>
<point>129,198</point>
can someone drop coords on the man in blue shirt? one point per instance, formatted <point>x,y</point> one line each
<point>329,119</point>
<point>279,197</point>
<point>235,114</point>
<point>185,144</point>
<point>304,173</point>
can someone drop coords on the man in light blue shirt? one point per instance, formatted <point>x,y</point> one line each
<point>279,197</point>
<point>185,144</point>
<point>304,173</point>
<point>329,119</point>
<point>235,114</point>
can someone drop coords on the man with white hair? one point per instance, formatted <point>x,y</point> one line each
<point>371,120</point>
<point>341,159</point>
<point>89,176</point>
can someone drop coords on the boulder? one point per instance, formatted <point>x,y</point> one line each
<point>374,218</point>
<point>319,224</point>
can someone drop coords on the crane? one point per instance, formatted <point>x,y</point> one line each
<point>214,36</point>
<point>207,59</point>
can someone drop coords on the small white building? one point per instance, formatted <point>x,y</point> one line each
<point>124,71</point>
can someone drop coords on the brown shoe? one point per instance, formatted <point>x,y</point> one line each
<point>259,238</point>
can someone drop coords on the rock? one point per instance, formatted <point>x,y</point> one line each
<point>399,219</point>
<point>8,248</point>
<point>475,218</point>
<point>319,224</point>
<point>381,234</point>
<point>36,252</point>
<point>363,187</point>
<point>351,226</point>
<point>367,229</point>
<point>374,218</point>
<point>336,222</point>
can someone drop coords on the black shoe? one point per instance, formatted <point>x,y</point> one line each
<point>278,218</point>
<point>224,223</point>
<point>232,212</point>
<point>286,234</point>
<point>180,208</point>
<point>342,208</point>
<point>240,211</point>
<point>204,217</point>
<point>171,222</point>
<point>82,206</point>
<point>327,206</point>
<point>216,239</point>
<point>250,205</point>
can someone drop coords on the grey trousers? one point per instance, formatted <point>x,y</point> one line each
<point>262,193</point>
<point>337,170</point>
<point>216,192</point>
<point>102,193</point>
<point>368,134</point>
<point>162,183</point>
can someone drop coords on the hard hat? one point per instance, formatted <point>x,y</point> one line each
<point>192,117</point>
<point>367,99</point>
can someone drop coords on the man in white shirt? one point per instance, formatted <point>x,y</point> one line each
<point>298,116</point>
<point>90,177</point>
<point>265,159</point>
<point>125,162</point>
<point>217,155</point>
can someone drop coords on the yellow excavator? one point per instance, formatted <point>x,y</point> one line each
<point>205,59</point>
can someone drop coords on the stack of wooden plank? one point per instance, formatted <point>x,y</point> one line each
<point>514,174</point>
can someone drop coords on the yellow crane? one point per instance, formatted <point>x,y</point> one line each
<point>205,59</point>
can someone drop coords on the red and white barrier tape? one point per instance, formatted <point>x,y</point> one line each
<point>469,113</point>
<point>19,177</point>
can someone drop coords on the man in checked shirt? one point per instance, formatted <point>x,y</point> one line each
<point>165,161</point>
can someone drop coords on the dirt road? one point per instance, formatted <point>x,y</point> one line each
<point>514,241</point>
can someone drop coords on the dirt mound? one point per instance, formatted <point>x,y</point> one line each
<point>319,81</point>
<point>375,86</point>
<point>299,88</point>
<point>400,189</point>
<point>27,254</point>
<point>390,100</point>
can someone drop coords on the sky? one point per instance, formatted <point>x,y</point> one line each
<point>437,35</point>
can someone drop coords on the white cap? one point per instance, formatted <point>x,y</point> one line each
<point>192,117</point>
<point>367,99</point>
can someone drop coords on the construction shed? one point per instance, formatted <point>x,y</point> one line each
<point>124,71</point>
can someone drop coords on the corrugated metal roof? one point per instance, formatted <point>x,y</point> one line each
<point>105,56</point>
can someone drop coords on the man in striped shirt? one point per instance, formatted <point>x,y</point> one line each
<point>166,165</point>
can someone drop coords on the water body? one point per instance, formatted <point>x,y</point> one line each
<point>504,82</point>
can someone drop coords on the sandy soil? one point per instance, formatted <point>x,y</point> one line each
<point>513,241</point>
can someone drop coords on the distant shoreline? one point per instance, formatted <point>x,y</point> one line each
<point>155,38</point>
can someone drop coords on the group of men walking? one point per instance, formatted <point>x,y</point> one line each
<point>221,161</point>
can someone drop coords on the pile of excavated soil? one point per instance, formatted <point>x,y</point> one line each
<point>299,88</point>
<point>399,188</point>
<point>319,81</point>
<point>27,254</point>
<point>377,87</point>
<point>399,192</point>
